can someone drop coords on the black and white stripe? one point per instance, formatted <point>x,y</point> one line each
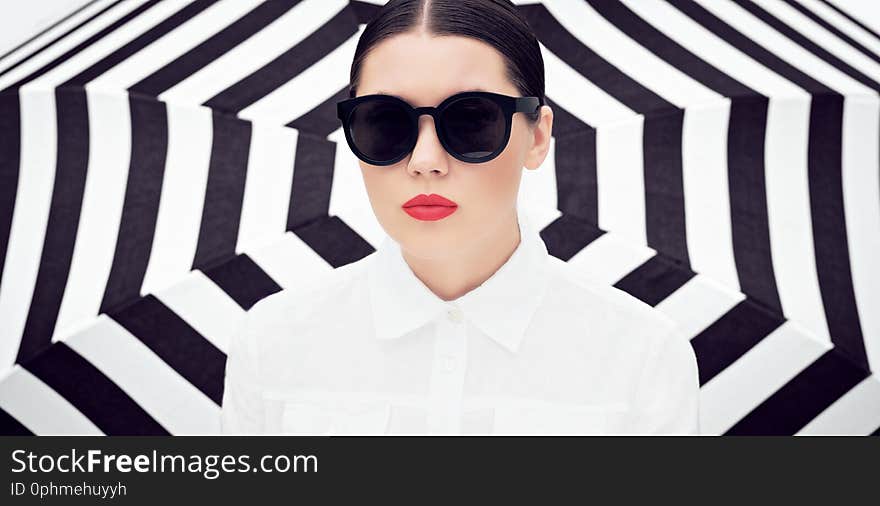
<point>165,164</point>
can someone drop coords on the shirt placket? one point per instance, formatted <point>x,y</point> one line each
<point>448,372</point>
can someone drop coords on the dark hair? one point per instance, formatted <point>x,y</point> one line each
<point>508,32</point>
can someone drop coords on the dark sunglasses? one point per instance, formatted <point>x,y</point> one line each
<point>473,126</point>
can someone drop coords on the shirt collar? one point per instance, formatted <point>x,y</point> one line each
<point>501,307</point>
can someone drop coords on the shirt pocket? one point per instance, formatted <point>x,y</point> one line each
<point>309,417</point>
<point>550,419</point>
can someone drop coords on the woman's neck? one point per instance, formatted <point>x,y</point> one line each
<point>453,276</point>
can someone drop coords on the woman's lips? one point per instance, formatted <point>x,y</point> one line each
<point>429,207</point>
<point>429,213</point>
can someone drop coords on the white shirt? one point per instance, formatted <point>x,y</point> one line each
<point>536,349</point>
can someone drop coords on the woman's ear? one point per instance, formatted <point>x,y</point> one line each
<point>540,139</point>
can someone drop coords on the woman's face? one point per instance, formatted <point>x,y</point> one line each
<point>423,70</point>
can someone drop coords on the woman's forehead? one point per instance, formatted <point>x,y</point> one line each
<point>423,70</point>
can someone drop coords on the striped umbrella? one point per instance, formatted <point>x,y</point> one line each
<point>166,164</point>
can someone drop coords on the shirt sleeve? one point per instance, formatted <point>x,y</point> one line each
<point>242,408</point>
<point>668,394</point>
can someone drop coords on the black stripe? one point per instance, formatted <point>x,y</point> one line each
<point>365,11</point>
<point>224,192</point>
<point>92,393</point>
<point>334,241</point>
<point>567,235</point>
<point>145,39</point>
<point>212,48</point>
<point>826,193</point>
<point>140,208</point>
<point>64,213</point>
<point>288,65</point>
<point>676,55</point>
<point>577,185</point>
<point>56,39</point>
<point>745,153</point>
<point>733,334</point>
<point>657,278</point>
<point>807,44</point>
<point>664,202</point>
<point>321,120</point>
<point>664,185</point>
<point>243,280</point>
<point>312,179</point>
<point>833,29</point>
<point>175,342</point>
<point>803,398</point>
<point>750,48</point>
<point>589,64</point>
<point>10,165</point>
<point>10,131</point>
<point>746,178</point>
<point>85,44</point>
<point>746,170</point>
<point>852,19</point>
<point>9,426</point>
<point>70,176</point>
<point>829,227</point>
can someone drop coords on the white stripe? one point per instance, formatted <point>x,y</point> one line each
<point>786,138</point>
<point>574,92</point>
<point>37,172</point>
<point>763,34</point>
<point>36,181</point>
<point>846,26</point>
<point>204,306</point>
<point>103,198</point>
<point>620,175</point>
<point>150,382</point>
<point>609,258</point>
<point>822,37</point>
<point>255,52</point>
<point>290,262</point>
<point>105,46</point>
<point>698,304</point>
<point>615,47</point>
<point>69,42</point>
<point>39,408</point>
<point>26,50</point>
<point>619,168</point>
<point>714,50</point>
<point>707,214</point>
<point>861,200</point>
<point>758,374</point>
<point>855,413</point>
<point>178,221</point>
<point>785,161</point>
<point>789,215</point>
<point>267,188</point>
<point>706,192</point>
<point>308,89</point>
<point>171,45</point>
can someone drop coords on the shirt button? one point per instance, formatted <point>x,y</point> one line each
<point>454,315</point>
<point>448,363</point>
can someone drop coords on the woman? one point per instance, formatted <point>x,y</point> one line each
<point>460,322</point>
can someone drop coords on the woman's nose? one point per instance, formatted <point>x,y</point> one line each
<point>428,155</point>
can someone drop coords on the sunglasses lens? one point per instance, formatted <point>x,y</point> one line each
<point>380,130</point>
<point>475,127</point>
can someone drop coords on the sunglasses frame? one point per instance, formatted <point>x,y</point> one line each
<point>509,105</point>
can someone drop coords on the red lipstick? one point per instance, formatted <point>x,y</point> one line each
<point>429,207</point>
